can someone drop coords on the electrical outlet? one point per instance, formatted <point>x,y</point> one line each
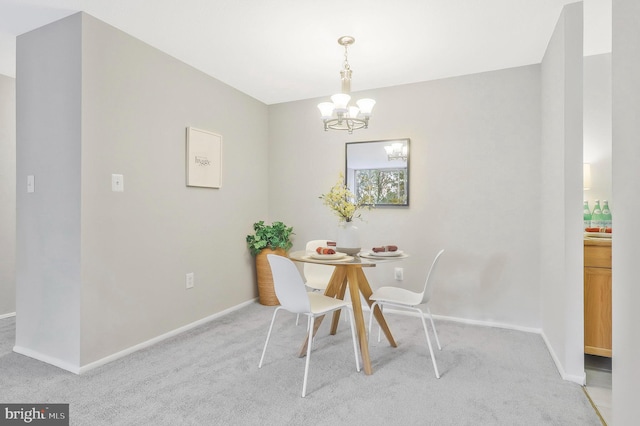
<point>117,183</point>
<point>190,280</point>
<point>398,273</point>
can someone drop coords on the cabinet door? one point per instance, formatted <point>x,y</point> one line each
<point>597,256</point>
<point>597,311</point>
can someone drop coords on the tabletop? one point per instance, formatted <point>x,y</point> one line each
<point>363,259</point>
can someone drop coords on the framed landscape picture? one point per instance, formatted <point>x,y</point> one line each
<point>204,158</point>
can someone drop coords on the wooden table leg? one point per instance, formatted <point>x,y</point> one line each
<point>358,284</point>
<point>366,291</point>
<point>338,277</point>
<point>336,314</point>
<point>352,276</point>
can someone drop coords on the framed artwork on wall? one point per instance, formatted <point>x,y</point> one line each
<point>204,158</point>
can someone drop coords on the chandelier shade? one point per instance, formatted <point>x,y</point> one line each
<point>338,114</point>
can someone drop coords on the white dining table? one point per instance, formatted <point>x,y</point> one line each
<point>349,273</point>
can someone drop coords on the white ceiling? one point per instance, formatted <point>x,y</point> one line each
<point>285,50</point>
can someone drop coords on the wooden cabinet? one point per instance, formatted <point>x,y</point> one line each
<point>597,296</point>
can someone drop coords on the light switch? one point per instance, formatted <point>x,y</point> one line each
<point>117,183</point>
<point>31,184</point>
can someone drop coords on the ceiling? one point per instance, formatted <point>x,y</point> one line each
<point>285,50</point>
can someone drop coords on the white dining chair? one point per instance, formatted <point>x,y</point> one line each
<point>409,300</point>
<point>294,298</point>
<point>316,276</point>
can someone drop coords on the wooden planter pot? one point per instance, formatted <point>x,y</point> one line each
<point>266,291</point>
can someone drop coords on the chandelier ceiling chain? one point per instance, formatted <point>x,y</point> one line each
<point>345,64</point>
<point>338,114</point>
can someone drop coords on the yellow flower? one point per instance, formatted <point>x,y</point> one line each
<point>342,201</point>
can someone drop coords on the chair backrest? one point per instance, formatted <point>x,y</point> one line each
<point>428,286</point>
<point>288,284</point>
<point>315,272</point>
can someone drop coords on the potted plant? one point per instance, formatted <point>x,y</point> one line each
<point>268,239</point>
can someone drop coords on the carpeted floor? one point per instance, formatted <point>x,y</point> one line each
<point>209,376</point>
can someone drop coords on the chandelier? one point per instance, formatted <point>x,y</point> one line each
<point>396,151</point>
<point>338,114</point>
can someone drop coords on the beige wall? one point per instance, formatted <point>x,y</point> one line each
<point>475,188</point>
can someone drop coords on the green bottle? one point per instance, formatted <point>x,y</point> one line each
<point>606,214</point>
<point>596,216</point>
<point>587,215</point>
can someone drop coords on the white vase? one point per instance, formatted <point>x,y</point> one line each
<point>348,237</point>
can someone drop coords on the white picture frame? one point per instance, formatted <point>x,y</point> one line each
<point>204,158</point>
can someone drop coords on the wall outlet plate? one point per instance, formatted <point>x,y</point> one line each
<point>190,282</point>
<point>31,184</point>
<point>117,183</point>
<point>398,273</point>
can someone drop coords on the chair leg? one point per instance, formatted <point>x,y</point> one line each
<point>273,319</point>
<point>426,333</point>
<point>434,327</point>
<point>380,327</point>
<point>373,306</point>
<point>297,318</point>
<point>353,337</point>
<point>312,320</point>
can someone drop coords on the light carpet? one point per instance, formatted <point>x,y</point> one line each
<point>210,376</point>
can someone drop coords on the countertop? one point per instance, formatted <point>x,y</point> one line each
<point>597,241</point>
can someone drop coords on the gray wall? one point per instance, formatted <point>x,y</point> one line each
<point>48,221</point>
<point>626,187</point>
<point>475,172</point>
<point>561,234</point>
<point>7,195</point>
<point>130,105</point>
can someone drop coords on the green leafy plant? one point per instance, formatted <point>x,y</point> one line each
<point>276,235</point>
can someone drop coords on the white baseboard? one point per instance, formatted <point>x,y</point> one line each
<point>9,315</point>
<point>160,338</point>
<point>466,321</point>
<point>47,359</point>
<point>490,324</point>
<point>83,369</point>
<point>579,379</point>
